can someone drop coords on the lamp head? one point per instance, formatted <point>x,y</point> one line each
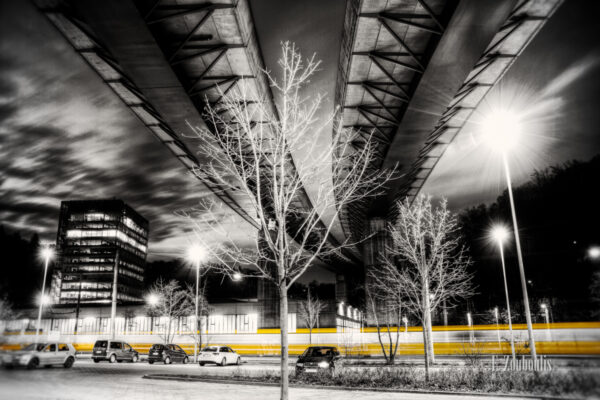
<point>501,130</point>
<point>47,253</point>
<point>499,233</point>
<point>197,253</point>
<point>152,299</point>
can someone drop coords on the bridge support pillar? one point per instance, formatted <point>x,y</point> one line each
<point>374,248</point>
<point>341,289</point>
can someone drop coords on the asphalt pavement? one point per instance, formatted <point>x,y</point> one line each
<point>87,380</point>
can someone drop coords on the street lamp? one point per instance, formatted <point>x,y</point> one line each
<point>236,276</point>
<point>197,254</point>
<point>46,254</point>
<point>594,253</point>
<point>501,131</point>
<point>470,322</point>
<point>544,308</point>
<point>500,235</point>
<point>152,299</point>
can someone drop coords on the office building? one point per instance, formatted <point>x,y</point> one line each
<point>95,237</point>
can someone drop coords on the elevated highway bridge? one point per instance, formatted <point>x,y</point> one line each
<point>410,71</point>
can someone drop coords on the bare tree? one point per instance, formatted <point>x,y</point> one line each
<point>267,154</point>
<point>309,311</point>
<point>386,310</point>
<point>203,310</point>
<point>7,311</point>
<point>170,302</point>
<point>425,265</point>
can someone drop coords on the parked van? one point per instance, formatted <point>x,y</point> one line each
<point>114,351</point>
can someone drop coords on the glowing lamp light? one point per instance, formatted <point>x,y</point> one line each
<point>152,299</point>
<point>501,130</point>
<point>197,254</point>
<point>543,306</point>
<point>47,253</point>
<point>499,233</point>
<point>44,299</point>
<point>236,276</point>
<point>594,252</point>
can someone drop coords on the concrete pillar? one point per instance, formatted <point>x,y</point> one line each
<point>341,289</point>
<point>374,249</point>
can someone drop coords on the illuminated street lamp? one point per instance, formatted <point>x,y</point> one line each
<point>544,308</point>
<point>152,299</point>
<point>46,254</point>
<point>500,235</point>
<point>594,253</point>
<point>470,322</point>
<point>236,276</point>
<point>501,131</point>
<point>197,254</point>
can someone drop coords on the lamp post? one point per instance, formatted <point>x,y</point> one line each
<point>196,254</point>
<point>500,234</point>
<point>47,255</point>
<point>547,317</point>
<point>470,322</point>
<point>497,327</point>
<point>501,130</point>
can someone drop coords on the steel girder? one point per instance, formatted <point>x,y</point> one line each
<point>386,48</point>
<point>524,22</point>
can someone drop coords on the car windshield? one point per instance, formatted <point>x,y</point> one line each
<point>101,343</point>
<point>213,349</point>
<point>34,347</point>
<point>318,352</point>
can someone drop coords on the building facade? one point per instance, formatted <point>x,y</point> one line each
<point>95,239</point>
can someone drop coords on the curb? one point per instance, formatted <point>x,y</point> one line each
<point>229,380</point>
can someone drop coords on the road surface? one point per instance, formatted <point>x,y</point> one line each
<point>87,380</point>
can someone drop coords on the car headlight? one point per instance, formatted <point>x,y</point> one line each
<point>299,364</point>
<point>323,364</point>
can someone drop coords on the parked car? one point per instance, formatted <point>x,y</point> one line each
<point>114,351</point>
<point>41,354</point>
<point>319,358</point>
<point>167,353</point>
<point>220,355</point>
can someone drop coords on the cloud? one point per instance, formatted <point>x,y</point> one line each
<point>65,135</point>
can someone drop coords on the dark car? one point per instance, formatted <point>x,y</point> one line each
<point>114,351</point>
<point>318,359</point>
<point>167,353</point>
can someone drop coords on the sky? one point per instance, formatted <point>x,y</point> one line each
<point>65,135</point>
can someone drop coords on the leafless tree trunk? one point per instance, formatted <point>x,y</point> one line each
<point>309,311</point>
<point>171,302</point>
<point>390,309</point>
<point>426,265</point>
<point>249,148</point>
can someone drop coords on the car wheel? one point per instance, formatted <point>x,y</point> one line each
<point>96,360</point>
<point>69,362</point>
<point>135,358</point>
<point>186,360</point>
<point>223,362</point>
<point>112,359</point>
<point>167,360</point>
<point>150,361</point>
<point>33,363</point>
<point>239,361</point>
<point>201,364</point>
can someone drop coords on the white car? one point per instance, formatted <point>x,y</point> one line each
<point>220,355</point>
<point>41,354</point>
